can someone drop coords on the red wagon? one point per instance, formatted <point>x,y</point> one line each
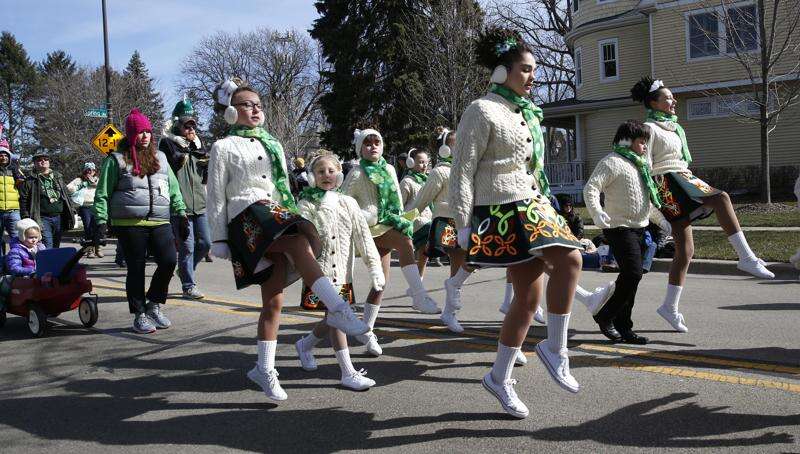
<point>58,286</point>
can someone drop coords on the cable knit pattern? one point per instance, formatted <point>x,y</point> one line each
<point>239,174</point>
<point>343,231</point>
<point>409,188</point>
<point>358,186</point>
<point>491,157</point>
<point>626,199</point>
<point>665,150</point>
<point>436,191</point>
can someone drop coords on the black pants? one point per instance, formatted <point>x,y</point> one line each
<point>626,245</point>
<point>135,242</point>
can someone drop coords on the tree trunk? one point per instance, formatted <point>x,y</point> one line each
<point>766,191</point>
<point>10,134</point>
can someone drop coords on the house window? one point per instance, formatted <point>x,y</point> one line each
<point>609,63</point>
<point>722,30</point>
<point>576,5</point>
<point>578,67</point>
<point>721,106</point>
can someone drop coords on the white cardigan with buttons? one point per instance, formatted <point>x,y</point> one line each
<point>491,157</point>
<point>239,174</point>
<point>343,231</point>
<point>436,190</point>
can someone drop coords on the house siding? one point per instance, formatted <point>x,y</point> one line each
<point>590,10</point>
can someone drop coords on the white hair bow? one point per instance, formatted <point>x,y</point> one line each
<point>356,133</point>
<point>656,85</point>
<point>624,143</point>
<point>225,92</point>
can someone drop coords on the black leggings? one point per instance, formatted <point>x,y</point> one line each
<point>135,243</point>
<point>626,245</point>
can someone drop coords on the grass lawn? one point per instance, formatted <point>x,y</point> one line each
<point>770,246</point>
<point>782,219</point>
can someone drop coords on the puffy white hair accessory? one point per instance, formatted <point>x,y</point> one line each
<point>444,149</point>
<point>624,143</point>
<point>656,85</point>
<point>224,94</point>
<point>359,135</point>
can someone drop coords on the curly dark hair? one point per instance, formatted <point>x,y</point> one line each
<point>500,46</point>
<point>641,91</point>
<point>631,130</point>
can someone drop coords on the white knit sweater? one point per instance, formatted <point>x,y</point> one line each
<point>358,186</point>
<point>239,174</point>
<point>409,188</point>
<point>343,231</point>
<point>626,200</point>
<point>665,148</point>
<point>491,157</point>
<point>436,190</point>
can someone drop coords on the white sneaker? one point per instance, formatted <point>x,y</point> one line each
<point>756,267</point>
<point>370,340</point>
<point>521,359</point>
<point>358,381</point>
<point>452,294</point>
<point>268,381</point>
<point>347,321</point>
<point>449,319</point>
<point>505,394</point>
<point>600,297</point>
<point>307,360</point>
<point>505,307</point>
<point>558,366</point>
<point>538,316</point>
<point>425,304</point>
<point>675,319</point>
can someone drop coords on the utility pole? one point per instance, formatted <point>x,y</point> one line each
<point>108,64</point>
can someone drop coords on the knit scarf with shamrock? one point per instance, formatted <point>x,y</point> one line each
<point>657,115</point>
<point>533,115</point>
<point>49,186</point>
<point>419,177</point>
<point>275,152</point>
<point>390,210</point>
<point>312,194</point>
<point>644,171</point>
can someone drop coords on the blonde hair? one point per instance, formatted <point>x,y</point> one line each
<point>325,155</point>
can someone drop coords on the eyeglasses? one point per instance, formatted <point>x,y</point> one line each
<point>189,126</point>
<point>249,105</point>
<point>41,158</point>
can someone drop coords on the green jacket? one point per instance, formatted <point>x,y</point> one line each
<point>189,161</point>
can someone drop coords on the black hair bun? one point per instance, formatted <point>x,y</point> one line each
<point>494,42</point>
<point>640,91</point>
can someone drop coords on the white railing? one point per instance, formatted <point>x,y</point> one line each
<point>565,173</point>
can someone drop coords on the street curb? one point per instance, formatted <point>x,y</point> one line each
<point>783,271</point>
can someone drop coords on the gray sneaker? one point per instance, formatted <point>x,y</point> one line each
<point>193,293</point>
<point>159,319</point>
<point>143,325</point>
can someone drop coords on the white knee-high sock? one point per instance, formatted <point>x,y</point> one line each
<point>411,273</point>
<point>672,298</point>
<point>504,362</point>
<point>309,341</point>
<point>507,298</point>
<point>326,292</point>
<point>557,327</point>
<point>460,277</point>
<point>266,354</point>
<point>371,314</point>
<point>739,243</point>
<point>346,366</point>
<point>582,295</point>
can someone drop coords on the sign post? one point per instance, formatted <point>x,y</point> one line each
<point>107,139</point>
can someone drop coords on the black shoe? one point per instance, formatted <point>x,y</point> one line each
<point>610,332</point>
<point>629,337</point>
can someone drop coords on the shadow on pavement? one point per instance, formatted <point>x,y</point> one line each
<point>763,307</point>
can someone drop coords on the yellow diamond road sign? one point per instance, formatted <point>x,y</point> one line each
<point>107,139</point>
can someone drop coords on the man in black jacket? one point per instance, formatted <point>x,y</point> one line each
<point>43,198</point>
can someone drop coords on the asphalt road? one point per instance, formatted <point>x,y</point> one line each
<point>731,384</point>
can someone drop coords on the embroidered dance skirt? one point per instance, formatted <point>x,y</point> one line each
<point>309,301</point>
<point>682,196</point>
<point>516,232</point>
<point>420,237</point>
<point>251,233</point>
<point>443,237</point>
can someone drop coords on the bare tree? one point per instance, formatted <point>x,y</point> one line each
<point>764,41</point>
<point>283,67</point>
<point>440,41</point>
<point>543,23</point>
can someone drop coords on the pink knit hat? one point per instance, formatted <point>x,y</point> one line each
<point>134,125</point>
<point>4,148</point>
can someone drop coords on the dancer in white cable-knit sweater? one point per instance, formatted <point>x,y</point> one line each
<point>343,231</point>
<point>685,197</point>
<point>373,183</point>
<point>502,221</point>
<point>631,201</point>
<point>417,163</point>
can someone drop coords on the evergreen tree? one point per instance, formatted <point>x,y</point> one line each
<point>140,92</point>
<point>57,62</point>
<point>18,80</point>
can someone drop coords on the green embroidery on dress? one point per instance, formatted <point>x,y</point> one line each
<point>502,224</point>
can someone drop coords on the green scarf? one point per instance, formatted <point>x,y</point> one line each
<point>644,171</point>
<point>275,152</point>
<point>419,177</point>
<point>657,115</point>
<point>49,186</point>
<point>390,210</point>
<point>533,116</point>
<point>312,194</point>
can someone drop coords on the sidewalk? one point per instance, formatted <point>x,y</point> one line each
<point>719,229</point>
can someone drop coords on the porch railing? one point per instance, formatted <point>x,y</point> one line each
<point>565,173</point>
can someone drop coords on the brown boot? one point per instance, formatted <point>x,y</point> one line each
<point>89,253</point>
<point>98,252</point>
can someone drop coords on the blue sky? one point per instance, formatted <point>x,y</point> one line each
<point>163,31</point>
